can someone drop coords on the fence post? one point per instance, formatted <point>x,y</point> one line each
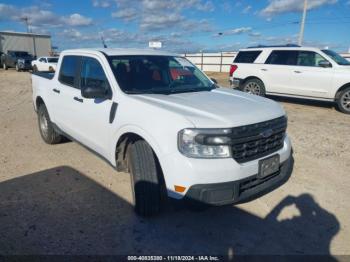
<point>202,61</point>
<point>220,62</point>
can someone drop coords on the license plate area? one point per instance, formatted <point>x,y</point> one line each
<point>269,166</point>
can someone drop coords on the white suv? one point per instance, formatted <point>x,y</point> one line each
<point>293,71</point>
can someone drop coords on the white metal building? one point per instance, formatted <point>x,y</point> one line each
<point>35,44</point>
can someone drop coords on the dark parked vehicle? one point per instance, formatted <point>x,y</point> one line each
<point>20,60</point>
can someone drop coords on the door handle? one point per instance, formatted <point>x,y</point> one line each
<point>78,99</point>
<point>297,72</point>
<point>263,69</point>
<point>56,90</point>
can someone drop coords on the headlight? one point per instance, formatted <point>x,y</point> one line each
<point>205,143</point>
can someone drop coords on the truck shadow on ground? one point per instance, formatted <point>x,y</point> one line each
<point>61,211</point>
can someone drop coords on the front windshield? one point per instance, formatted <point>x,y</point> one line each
<point>140,74</point>
<point>336,57</point>
<point>52,60</point>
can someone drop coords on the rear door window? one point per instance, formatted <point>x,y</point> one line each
<point>68,70</point>
<point>247,56</point>
<point>282,57</point>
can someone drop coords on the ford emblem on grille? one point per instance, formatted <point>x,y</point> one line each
<point>266,133</point>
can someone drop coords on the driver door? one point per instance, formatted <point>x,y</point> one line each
<point>92,118</point>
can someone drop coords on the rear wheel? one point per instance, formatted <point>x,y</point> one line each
<point>343,101</point>
<point>47,131</point>
<point>146,179</point>
<point>254,86</point>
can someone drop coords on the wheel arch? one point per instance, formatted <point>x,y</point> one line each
<point>38,102</point>
<point>252,77</point>
<point>337,94</point>
<point>124,139</point>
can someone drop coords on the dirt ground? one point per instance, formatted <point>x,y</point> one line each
<point>64,200</point>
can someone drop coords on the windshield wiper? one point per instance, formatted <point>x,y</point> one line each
<point>189,90</point>
<point>146,91</point>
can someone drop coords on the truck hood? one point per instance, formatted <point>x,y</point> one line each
<point>220,107</point>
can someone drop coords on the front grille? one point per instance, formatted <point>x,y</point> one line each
<point>258,140</point>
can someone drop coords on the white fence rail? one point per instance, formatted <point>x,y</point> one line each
<point>220,62</point>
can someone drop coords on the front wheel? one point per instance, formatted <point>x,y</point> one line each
<point>254,86</point>
<point>145,179</point>
<point>343,102</point>
<point>35,69</point>
<point>4,66</point>
<point>17,68</point>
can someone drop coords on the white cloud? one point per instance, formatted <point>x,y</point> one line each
<point>247,9</point>
<point>101,3</point>
<point>276,7</point>
<point>78,20</point>
<point>151,15</point>
<point>39,18</point>
<point>254,34</point>
<point>156,21</point>
<point>238,31</point>
<point>127,14</point>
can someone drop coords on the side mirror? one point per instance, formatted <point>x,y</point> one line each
<point>214,80</point>
<point>324,63</point>
<point>94,92</point>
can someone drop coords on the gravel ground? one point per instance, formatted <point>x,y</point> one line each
<point>64,200</point>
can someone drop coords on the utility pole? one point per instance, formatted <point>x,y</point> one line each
<point>25,19</point>
<point>302,26</point>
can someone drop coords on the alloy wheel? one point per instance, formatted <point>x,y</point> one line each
<point>345,101</point>
<point>44,126</point>
<point>252,88</point>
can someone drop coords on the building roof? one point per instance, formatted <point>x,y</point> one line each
<point>23,34</point>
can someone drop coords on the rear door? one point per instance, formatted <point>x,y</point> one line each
<point>68,97</point>
<point>277,71</point>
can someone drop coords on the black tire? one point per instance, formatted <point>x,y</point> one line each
<point>17,68</point>
<point>146,179</point>
<point>51,69</point>
<point>4,66</point>
<point>47,131</point>
<point>35,69</point>
<point>343,100</point>
<point>254,86</point>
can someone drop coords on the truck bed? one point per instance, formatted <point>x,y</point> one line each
<point>47,75</point>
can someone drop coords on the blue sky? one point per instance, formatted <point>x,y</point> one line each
<point>183,25</point>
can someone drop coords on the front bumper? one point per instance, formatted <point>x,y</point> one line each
<point>241,190</point>
<point>24,66</point>
<point>189,172</point>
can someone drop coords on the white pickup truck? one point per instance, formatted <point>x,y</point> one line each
<point>45,63</point>
<point>157,116</point>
